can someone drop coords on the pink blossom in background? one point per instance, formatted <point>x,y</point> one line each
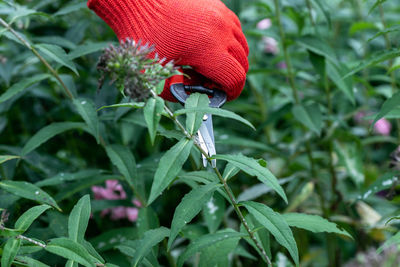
<point>115,191</point>
<point>264,24</point>
<point>282,65</point>
<point>359,117</point>
<point>383,127</point>
<point>270,45</point>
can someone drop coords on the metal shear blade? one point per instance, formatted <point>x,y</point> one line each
<point>206,132</point>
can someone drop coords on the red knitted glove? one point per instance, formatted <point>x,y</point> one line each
<point>203,34</point>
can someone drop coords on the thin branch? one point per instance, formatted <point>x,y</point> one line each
<point>30,240</point>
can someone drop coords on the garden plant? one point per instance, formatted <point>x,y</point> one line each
<point>98,170</point>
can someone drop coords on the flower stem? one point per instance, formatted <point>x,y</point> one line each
<point>34,51</point>
<point>222,180</point>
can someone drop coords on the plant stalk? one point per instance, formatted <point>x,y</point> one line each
<point>44,61</point>
<point>221,179</point>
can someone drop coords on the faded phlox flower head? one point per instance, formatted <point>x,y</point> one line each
<point>134,68</point>
<point>264,24</point>
<point>383,127</point>
<point>115,191</point>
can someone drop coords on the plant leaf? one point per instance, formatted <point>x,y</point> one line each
<point>206,241</point>
<point>57,54</point>
<point>22,85</point>
<point>48,132</point>
<point>29,191</point>
<point>149,240</point>
<point>67,177</point>
<point>78,219</point>
<point>195,119</point>
<point>318,46</point>
<point>190,205</point>
<point>31,262</point>
<point>28,217</point>
<point>7,232</point>
<point>394,240</point>
<point>213,212</point>
<point>170,165</point>
<point>123,159</point>
<point>389,105</point>
<point>70,8</point>
<point>71,250</point>
<point>313,223</point>
<point>86,109</point>
<point>5,158</point>
<point>346,84</point>
<point>125,105</point>
<point>275,224</point>
<point>215,111</point>
<point>385,181</point>
<point>10,250</point>
<point>309,116</point>
<point>253,167</point>
<point>152,115</point>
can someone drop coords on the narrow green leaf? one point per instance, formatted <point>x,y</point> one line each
<point>213,212</point>
<point>377,3</point>
<point>79,219</point>
<point>160,87</point>
<point>230,171</point>
<point>125,105</point>
<point>10,250</point>
<point>258,190</point>
<point>309,116</point>
<point>389,105</point>
<point>215,111</point>
<point>313,223</point>
<point>373,59</point>
<point>394,28</point>
<point>31,262</point>
<point>28,217</point>
<point>48,132</point>
<point>190,205</point>
<point>195,119</point>
<point>276,225</point>
<point>170,165</point>
<point>108,240</point>
<point>152,115</point>
<point>149,240</point>
<point>318,46</point>
<point>324,8</point>
<point>394,240</point>
<point>130,247</point>
<point>57,54</point>
<point>123,159</point>
<point>7,232</point>
<point>22,12</point>
<point>385,181</point>
<point>29,191</point>
<point>69,177</point>
<point>350,156</point>
<point>147,220</point>
<point>22,85</point>
<point>318,62</point>
<point>70,8</point>
<point>253,167</point>
<point>5,158</point>
<point>336,73</point>
<point>206,241</point>
<point>87,110</point>
<point>86,49</point>
<point>70,250</point>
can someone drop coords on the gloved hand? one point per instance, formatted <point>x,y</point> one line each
<point>203,34</point>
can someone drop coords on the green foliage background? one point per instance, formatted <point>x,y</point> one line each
<point>341,59</point>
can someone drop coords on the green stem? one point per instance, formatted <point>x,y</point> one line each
<point>309,7</point>
<point>34,51</point>
<point>221,179</point>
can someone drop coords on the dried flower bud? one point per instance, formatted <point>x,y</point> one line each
<point>133,70</point>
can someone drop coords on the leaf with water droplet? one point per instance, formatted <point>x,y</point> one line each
<point>29,191</point>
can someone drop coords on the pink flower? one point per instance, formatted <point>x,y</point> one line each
<point>282,65</point>
<point>264,24</point>
<point>270,45</point>
<point>359,117</point>
<point>115,191</point>
<point>132,214</point>
<point>383,127</point>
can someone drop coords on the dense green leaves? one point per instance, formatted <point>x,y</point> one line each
<point>276,225</point>
<point>29,191</point>
<point>79,219</point>
<point>5,158</point>
<point>310,116</point>
<point>169,167</point>
<point>189,207</point>
<point>86,109</point>
<point>387,180</point>
<point>27,218</point>
<point>152,115</point>
<point>22,85</point>
<point>253,167</point>
<point>389,105</point>
<point>57,54</point>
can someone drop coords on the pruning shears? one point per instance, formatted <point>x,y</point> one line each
<point>205,134</point>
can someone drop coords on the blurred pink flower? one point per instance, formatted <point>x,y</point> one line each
<point>282,65</point>
<point>270,45</point>
<point>264,24</point>
<point>115,191</point>
<point>359,116</point>
<point>383,127</point>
